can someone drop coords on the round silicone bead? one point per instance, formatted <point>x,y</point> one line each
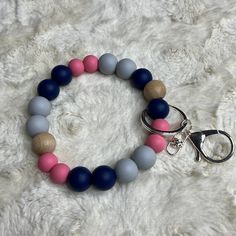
<point>59,173</point>
<point>107,64</point>
<point>161,124</point>
<point>154,89</point>
<point>79,179</point>
<point>39,106</point>
<point>125,68</point>
<point>90,64</point>
<point>43,143</point>
<point>37,124</point>
<point>144,157</point>
<point>140,78</point>
<point>126,170</point>
<point>156,142</point>
<point>49,89</point>
<point>61,74</point>
<point>76,66</point>
<point>47,161</point>
<point>158,108</point>
<point>103,177</point>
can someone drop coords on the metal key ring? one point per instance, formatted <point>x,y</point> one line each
<point>149,128</point>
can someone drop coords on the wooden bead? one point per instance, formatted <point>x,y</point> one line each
<point>154,89</point>
<point>43,143</point>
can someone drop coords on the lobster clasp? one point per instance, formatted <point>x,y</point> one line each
<point>198,139</point>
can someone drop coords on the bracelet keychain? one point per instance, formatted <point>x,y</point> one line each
<point>153,120</point>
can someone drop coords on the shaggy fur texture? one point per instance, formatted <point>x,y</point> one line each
<point>190,45</point>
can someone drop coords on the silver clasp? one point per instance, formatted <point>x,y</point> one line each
<point>198,139</point>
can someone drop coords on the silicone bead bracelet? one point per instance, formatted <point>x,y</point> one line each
<point>103,177</point>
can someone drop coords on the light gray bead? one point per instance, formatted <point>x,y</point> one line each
<point>107,64</point>
<point>125,68</point>
<point>126,170</point>
<point>39,106</point>
<point>144,157</point>
<point>37,124</point>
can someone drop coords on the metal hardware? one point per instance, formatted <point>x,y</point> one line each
<point>183,133</point>
<point>148,127</point>
<point>198,139</point>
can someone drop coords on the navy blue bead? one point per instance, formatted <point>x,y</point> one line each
<point>62,74</point>
<point>104,177</point>
<point>79,179</point>
<point>49,89</point>
<point>158,108</point>
<point>140,78</point>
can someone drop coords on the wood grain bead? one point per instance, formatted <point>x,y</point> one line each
<point>154,89</point>
<point>43,143</point>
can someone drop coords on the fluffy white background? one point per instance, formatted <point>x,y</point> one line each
<point>190,45</point>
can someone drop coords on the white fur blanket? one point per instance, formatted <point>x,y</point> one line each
<point>190,45</point>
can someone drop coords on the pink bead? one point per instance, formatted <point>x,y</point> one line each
<point>156,142</point>
<point>161,124</point>
<point>59,173</point>
<point>47,161</point>
<point>90,64</point>
<point>76,66</point>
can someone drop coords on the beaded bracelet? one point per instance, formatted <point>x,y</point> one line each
<point>102,177</point>
<point>144,157</point>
